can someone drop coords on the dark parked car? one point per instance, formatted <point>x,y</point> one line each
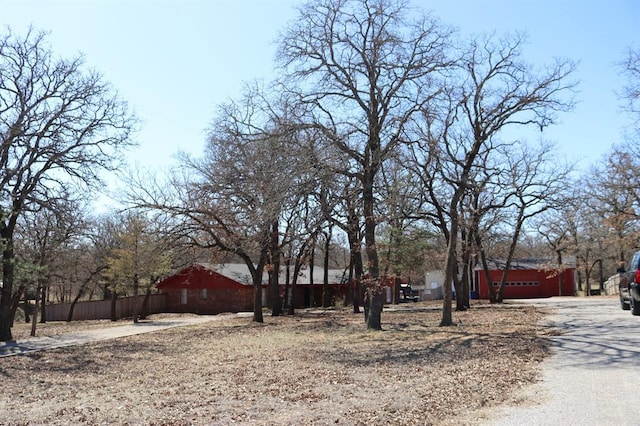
<point>407,294</point>
<point>630,285</point>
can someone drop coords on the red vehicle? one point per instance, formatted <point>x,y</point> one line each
<point>630,285</point>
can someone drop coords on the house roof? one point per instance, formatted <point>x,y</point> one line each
<point>237,274</point>
<point>240,272</point>
<point>198,276</point>
<point>527,264</point>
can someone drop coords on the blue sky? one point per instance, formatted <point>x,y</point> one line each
<point>175,61</point>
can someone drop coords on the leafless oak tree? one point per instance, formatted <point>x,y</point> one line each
<point>631,93</point>
<point>365,68</point>
<point>58,123</point>
<point>233,198</point>
<point>492,89</point>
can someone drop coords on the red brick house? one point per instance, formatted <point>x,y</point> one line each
<point>201,290</point>
<point>212,289</point>
<point>528,279</point>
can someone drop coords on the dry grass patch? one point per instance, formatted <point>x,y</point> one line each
<point>314,368</point>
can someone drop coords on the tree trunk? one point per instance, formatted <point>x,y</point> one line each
<point>601,277</point>
<point>396,290</point>
<point>43,304</point>
<point>294,284</point>
<point>356,268</point>
<point>374,305</point>
<point>136,285</point>
<point>374,301</point>
<point>467,279</point>
<point>447,319</point>
<point>144,312</point>
<point>77,297</point>
<point>35,312</point>
<point>467,269</point>
<point>287,285</point>
<point>257,301</point>
<point>16,302</point>
<point>348,292</point>
<point>485,271</point>
<point>450,262</point>
<point>274,272</point>
<point>256,276</point>
<point>326,297</point>
<point>6,300</point>
<point>27,318</point>
<point>458,284</point>
<point>512,250</point>
<point>560,274</point>
<point>312,260</point>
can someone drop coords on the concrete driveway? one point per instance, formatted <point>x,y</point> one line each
<point>82,337</point>
<point>592,377</point>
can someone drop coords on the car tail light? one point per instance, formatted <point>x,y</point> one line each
<point>637,276</point>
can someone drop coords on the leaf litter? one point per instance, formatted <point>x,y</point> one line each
<point>317,367</point>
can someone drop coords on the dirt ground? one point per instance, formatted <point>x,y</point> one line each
<point>318,367</point>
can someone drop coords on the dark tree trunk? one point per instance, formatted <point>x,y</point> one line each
<point>356,269</point>
<point>396,290</point>
<point>27,308</point>
<point>72,307</point>
<point>467,276</point>
<point>485,269</point>
<point>80,293</point>
<point>297,266</point>
<point>43,304</point>
<point>462,303</point>
<point>326,296</point>
<point>15,302</point>
<point>287,286</point>
<point>256,276</point>
<point>257,302</point>
<point>144,311</point>
<point>294,285</point>
<point>34,323</point>
<point>312,262</point>
<point>274,272</point>
<point>374,300</point>
<point>560,274</point>
<point>136,288</point>
<point>448,277</point>
<point>6,292</point>
<point>459,290</point>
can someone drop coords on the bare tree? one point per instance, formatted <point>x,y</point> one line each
<point>400,250</point>
<point>139,256</point>
<point>537,183</point>
<point>83,265</point>
<point>44,235</point>
<point>232,199</point>
<point>365,68</point>
<point>58,123</point>
<point>631,91</point>
<point>613,188</point>
<point>343,208</point>
<point>494,89</point>
<point>559,229</point>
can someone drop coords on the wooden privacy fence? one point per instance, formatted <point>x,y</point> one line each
<point>611,285</point>
<point>101,309</point>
